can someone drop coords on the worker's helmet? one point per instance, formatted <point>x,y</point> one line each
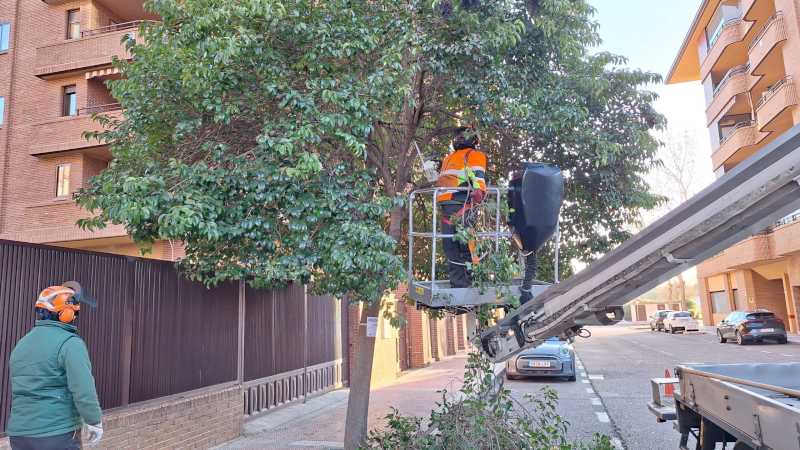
<point>59,302</point>
<point>465,137</point>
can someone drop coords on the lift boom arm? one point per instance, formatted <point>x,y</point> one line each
<point>743,202</point>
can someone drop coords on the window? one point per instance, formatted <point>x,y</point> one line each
<point>2,110</point>
<point>69,105</point>
<point>681,314</point>
<point>73,24</point>
<point>719,301</point>
<point>5,36</point>
<point>62,180</point>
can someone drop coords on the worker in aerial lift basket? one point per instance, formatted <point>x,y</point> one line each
<point>52,388</point>
<point>465,166</point>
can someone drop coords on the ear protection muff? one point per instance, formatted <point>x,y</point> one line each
<point>68,313</point>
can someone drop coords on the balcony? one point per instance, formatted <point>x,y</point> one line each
<point>760,53</point>
<point>726,48</point>
<point>737,145</point>
<point>66,133</point>
<point>95,48</point>
<point>733,84</point>
<point>774,104</point>
<point>123,9</point>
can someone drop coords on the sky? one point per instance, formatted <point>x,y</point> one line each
<point>649,33</point>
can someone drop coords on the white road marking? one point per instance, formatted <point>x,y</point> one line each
<point>589,391</point>
<point>786,355</point>
<point>764,351</point>
<point>595,401</point>
<point>617,444</point>
<point>583,374</point>
<point>596,377</point>
<point>585,381</point>
<point>602,417</point>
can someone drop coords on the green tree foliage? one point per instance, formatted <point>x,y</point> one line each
<point>274,138</point>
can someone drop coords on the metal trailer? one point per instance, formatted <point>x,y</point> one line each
<point>743,202</point>
<point>740,406</point>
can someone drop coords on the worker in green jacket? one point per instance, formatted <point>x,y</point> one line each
<point>52,388</point>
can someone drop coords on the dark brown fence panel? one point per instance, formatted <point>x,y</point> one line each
<point>184,335</point>
<point>324,337</point>
<point>258,334</point>
<point>288,336</point>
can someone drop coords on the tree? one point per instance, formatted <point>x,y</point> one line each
<point>277,139</point>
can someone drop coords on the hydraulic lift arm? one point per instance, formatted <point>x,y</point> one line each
<point>743,202</point>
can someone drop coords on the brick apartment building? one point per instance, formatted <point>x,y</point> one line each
<point>746,53</point>
<point>55,57</point>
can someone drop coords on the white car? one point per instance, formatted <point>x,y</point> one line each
<point>680,320</point>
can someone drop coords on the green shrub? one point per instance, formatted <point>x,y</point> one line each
<point>483,417</point>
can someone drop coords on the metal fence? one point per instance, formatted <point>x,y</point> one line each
<point>155,333</point>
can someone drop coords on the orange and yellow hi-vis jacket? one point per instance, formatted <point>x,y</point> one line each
<point>462,168</point>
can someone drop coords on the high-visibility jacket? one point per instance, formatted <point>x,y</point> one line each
<point>462,168</point>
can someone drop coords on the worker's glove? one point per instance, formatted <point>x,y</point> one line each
<point>477,196</point>
<point>94,433</point>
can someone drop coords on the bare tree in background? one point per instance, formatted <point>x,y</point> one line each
<point>678,178</point>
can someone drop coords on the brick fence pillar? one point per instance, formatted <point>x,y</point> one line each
<point>415,337</point>
<point>461,332</point>
<point>450,332</point>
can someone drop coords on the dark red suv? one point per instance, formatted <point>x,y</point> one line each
<point>752,326</point>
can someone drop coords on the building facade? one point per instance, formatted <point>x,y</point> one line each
<point>55,59</point>
<point>746,54</point>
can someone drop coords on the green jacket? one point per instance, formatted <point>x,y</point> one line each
<point>52,386</point>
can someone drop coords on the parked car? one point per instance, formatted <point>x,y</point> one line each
<point>657,320</point>
<point>554,358</point>
<point>752,326</point>
<point>680,321</point>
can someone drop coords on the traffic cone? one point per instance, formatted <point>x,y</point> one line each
<point>669,389</point>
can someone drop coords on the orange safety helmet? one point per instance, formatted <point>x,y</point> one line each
<point>61,301</point>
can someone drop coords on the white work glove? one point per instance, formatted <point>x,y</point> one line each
<point>94,433</point>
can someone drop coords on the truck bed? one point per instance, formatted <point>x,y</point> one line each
<point>763,417</point>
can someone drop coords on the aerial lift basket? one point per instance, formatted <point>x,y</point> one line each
<point>532,226</point>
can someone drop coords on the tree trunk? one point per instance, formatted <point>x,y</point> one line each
<point>356,426</point>
<point>360,379</point>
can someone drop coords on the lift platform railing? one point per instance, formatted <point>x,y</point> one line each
<point>436,293</point>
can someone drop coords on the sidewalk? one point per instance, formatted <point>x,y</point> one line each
<point>319,423</point>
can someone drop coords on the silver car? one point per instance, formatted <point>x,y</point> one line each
<point>554,358</point>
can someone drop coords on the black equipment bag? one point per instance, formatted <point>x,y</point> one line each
<point>535,196</point>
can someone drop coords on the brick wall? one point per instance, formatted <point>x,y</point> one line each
<point>199,419</point>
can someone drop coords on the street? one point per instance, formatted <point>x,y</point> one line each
<point>612,391</point>
<point>610,396</point>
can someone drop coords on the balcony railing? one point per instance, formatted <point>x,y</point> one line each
<point>791,218</point>
<point>769,93</point>
<point>718,32</point>
<point>80,54</point>
<point>743,124</point>
<point>133,25</point>
<point>770,35</point>
<point>97,109</point>
<point>730,74</point>
<point>775,19</point>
